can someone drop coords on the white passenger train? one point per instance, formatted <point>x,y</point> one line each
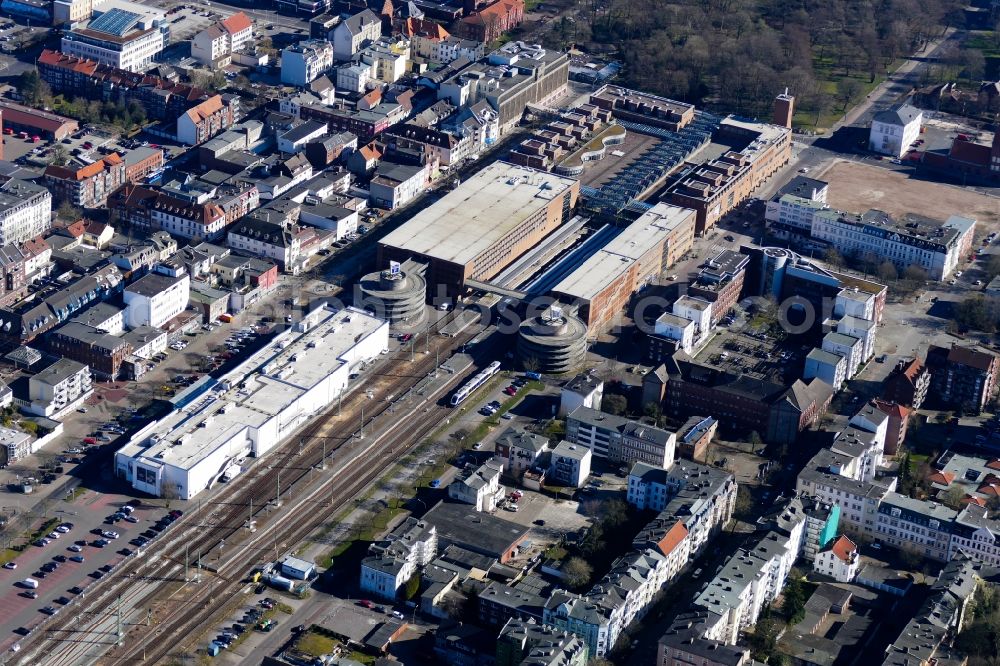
<point>470,386</point>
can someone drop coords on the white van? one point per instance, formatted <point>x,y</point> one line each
<point>30,583</point>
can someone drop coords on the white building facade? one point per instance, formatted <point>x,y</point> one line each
<point>305,61</point>
<point>254,408</point>
<point>894,130</point>
<point>155,299</point>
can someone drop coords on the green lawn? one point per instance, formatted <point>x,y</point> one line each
<point>829,75</point>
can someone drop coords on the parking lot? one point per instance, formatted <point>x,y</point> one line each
<point>72,558</point>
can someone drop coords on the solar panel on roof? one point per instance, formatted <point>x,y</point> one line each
<point>115,22</point>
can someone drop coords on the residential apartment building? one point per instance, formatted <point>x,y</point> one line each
<point>142,162</point>
<point>58,389</point>
<point>23,321</point>
<point>355,32</point>
<point>261,237</point>
<point>388,58</point>
<point>917,526</point>
<point>751,579</point>
<point>215,45</point>
<point>102,352</point>
<point>858,501</point>
<point>479,487</point>
<point>162,99</point>
<point>840,560</point>
<point>394,560</point>
<point>204,120</point>
<point>89,186</point>
<point>907,384</point>
<point>204,216</point>
<point>118,38</point>
<point>620,440</point>
<point>155,299</point>
<point>683,646</point>
<point>570,465</point>
<point>927,637</point>
<point>25,211</point>
<point>701,498</point>
<point>964,377</point>
<point>527,643</point>
<point>395,185</point>
<point>519,450</point>
<point>306,60</point>
<point>894,130</point>
<point>659,553</point>
<point>913,240</point>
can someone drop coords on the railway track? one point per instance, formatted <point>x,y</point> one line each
<point>308,495</point>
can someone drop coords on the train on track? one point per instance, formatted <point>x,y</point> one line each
<point>470,386</point>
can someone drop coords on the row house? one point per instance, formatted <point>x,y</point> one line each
<point>26,320</point>
<point>918,526</point>
<point>751,579</point>
<point>437,146</point>
<point>696,510</point>
<point>163,99</point>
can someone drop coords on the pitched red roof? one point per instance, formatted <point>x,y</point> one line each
<point>674,536</point>
<point>994,464</point>
<point>844,549</point>
<point>971,499</point>
<point>63,173</point>
<point>944,478</point>
<point>425,28</point>
<point>205,109</point>
<point>76,229</point>
<point>237,23</point>
<point>988,489</point>
<point>893,409</point>
<point>969,151</point>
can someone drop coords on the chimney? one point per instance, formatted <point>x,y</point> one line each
<point>784,109</point>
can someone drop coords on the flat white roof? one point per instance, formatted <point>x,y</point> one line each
<point>615,258</point>
<point>478,213</point>
<point>258,389</point>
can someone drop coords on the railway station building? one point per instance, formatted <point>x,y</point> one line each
<point>255,407</point>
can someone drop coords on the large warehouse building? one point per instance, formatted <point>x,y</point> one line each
<point>479,228</point>
<point>254,408</point>
<point>604,283</point>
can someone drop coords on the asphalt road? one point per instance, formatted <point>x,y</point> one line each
<point>843,138</point>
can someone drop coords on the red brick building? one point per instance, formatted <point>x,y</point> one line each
<point>141,162</point>
<point>907,384</point>
<point>89,186</point>
<point>490,23</point>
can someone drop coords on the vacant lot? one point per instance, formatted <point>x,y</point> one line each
<point>857,187</point>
